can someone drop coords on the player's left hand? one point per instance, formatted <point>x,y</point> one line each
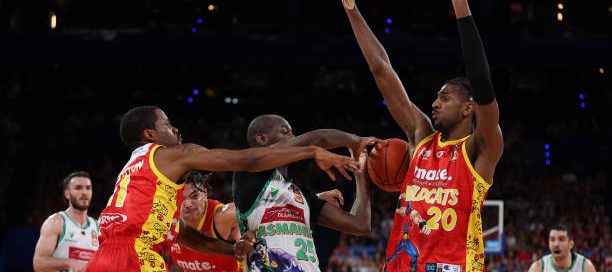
<point>333,197</point>
<point>359,145</point>
<point>244,246</point>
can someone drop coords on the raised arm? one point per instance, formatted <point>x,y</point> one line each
<point>43,253</point>
<point>486,145</point>
<point>330,138</point>
<point>358,222</point>
<point>175,161</point>
<point>415,124</point>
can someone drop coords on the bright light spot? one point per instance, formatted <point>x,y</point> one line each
<point>389,21</point>
<point>235,101</point>
<point>610,9</point>
<point>194,30</point>
<point>559,16</point>
<point>560,6</point>
<point>189,100</point>
<point>581,96</point>
<point>547,154</point>
<point>211,7</point>
<point>602,70</point>
<point>228,100</point>
<point>582,105</point>
<point>384,102</point>
<point>387,30</point>
<point>547,162</point>
<point>196,91</point>
<point>199,20</point>
<point>547,146</point>
<point>53,21</point>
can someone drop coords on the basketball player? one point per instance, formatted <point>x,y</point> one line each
<point>281,212</point>
<point>141,210</point>
<point>452,162</point>
<point>69,238</point>
<point>561,257</point>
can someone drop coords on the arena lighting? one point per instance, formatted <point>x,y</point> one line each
<point>546,146</point>
<point>389,21</point>
<point>559,16</point>
<point>196,91</point>
<point>387,30</point>
<point>384,102</point>
<point>560,6</point>
<point>189,100</point>
<point>194,30</point>
<point>228,100</point>
<point>235,100</point>
<point>547,153</point>
<point>53,21</point>
<point>582,105</point>
<point>199,20</point>
<point>211,7</point>
<point>547,162</point>
<point>601,70</point>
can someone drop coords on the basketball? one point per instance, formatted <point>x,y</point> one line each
<point>387,164</point>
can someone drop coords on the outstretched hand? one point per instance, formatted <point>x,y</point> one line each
<point>348,4</point>
<point>327,161</point>
<point>358,146</point>
<point>333,197</point>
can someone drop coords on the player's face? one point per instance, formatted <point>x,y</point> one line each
<point>449,108</point>
<point>194,201</point>
<point>165,133</point>
<point>281,132</point>
<point>559,244</point>
<point>79,193</point>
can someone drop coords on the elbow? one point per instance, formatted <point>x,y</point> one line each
<point>362,229</point>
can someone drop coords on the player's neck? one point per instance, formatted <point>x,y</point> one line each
<point>80,217</point>
<point>454,133</point>
<point>564,263</point>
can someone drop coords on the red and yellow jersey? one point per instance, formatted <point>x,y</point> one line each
<point>442,188</point>
<point>192,261</point>
<point>142,208</point>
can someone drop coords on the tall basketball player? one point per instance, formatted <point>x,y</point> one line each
<point>452,161</point>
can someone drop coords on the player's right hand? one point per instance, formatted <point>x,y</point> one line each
<point>327,161</point>
<point>244,246</point>
<point>348,4</point>
<point>359,145</point>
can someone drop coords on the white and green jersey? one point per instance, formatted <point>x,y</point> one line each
<point>76,242</point>
<point>578,263</point>
<point>280,218</point>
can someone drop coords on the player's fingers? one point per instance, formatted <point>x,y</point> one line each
<point>348,4</point>
<point>340,197</point>
<point>344,173</point>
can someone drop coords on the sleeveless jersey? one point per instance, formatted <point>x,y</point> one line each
<point>280,218</point>
<point>578,263</point>
<point>442,188</point>
<point>76,242</point>
<point>192,261</point>
<point>142,208</point>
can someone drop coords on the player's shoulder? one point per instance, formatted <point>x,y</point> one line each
<point>53,223</point>
<point>536,266</point>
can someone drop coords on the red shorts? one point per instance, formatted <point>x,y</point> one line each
<point>126,256</point>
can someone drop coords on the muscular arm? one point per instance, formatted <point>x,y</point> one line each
<point>200,242</point>
<point>358,222</point>
<point>175,161</point>
<point>408,116</point>
<point>536,266</point>
<point>49,234</point>
<point>486,145</point>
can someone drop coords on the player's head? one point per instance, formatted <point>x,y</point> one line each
<point>268,129</point>
<point>195,194</point>
<point>560,241</point>
<point>77,190</point>
<point>453,105</point>
<point>147,124</point>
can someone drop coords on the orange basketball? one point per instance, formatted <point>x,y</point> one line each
<point>388,163</point>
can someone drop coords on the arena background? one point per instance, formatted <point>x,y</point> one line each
<point>69,69</point>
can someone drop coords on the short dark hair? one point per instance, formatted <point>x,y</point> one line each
<point>562,227</point>
<point>464,83</point>
<point>134,122</point>
<point>199,180</point>
<point>72,175</point>
<point>260,124</point>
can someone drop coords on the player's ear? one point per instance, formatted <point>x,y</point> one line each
<point>148,135</point>
<point>261,138</point>
<point>468,108</point>
<point>67,194</point>
<point>571,244</point>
